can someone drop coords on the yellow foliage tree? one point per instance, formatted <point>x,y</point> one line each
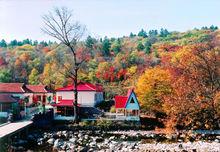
<point>151,87</point>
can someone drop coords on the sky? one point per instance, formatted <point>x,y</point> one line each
<point>21,19</point>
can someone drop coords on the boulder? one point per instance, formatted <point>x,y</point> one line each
<point>51,141</point>
<point>73,140</point>
<point>56,143</point>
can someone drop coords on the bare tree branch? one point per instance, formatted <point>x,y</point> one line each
<point>60,25</point>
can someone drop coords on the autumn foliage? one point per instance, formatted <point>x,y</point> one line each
<point>176,74</point>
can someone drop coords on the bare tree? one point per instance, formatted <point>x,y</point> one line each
<point>60,25</point>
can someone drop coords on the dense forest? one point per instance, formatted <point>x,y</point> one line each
<point>176,75</point>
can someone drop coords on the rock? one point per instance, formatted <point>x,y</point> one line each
<point>90,150</point>
<point>92,144</point>
<point>80,148</point>
<point>86,137</point>
<point>99,139</point>
<point>112,138</point>
<point>73,140</point>
<point>40,141</point>
<point>45,136</point>
<point>111,147</point>
<point>133,145</point>
<point>56,143</point>
<point>80,135</point>
<point>20,148</point>
<point>125,149</point>
<point>123,137</point>
<point>114,142</point>
<point>51,141</point>
<point>63,146</point>
<point>180,146</point>
<point>59,133</point>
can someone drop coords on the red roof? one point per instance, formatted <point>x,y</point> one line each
<point>83,87</point>
<point>120,101</point>
<point>7,98</point>
<point>12,88</point>
<point>64,103</point>
<point>37,88</point>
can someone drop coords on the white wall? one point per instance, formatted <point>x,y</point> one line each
<point>85,98</point>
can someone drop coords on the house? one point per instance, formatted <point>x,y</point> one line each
<point>30,96</point>
<point>89,95</point>
<point>39,94</point>
<point>127,107</point>
<point>8,104</point>
<point>34,93</point>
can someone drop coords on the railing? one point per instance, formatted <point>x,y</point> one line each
<point>119,116</point>
<point>60,117</point>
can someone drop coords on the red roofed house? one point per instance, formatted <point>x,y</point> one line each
<point>127,107</point>
<point>89,95</point>
<point>39,94</point>
<point>35,94</point>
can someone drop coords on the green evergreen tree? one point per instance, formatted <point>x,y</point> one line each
<point>152,33</point>
<point>106,46</point>
<point>5,75</point>
<point>90,42</point>
<point>132,35</point>
<point>35,43</point>
<point>142,33</point>
<point>27,41</point>
<point>116,46</point>
<point>213,28</point>
<point>164,32</point>
<point>147,46</point>
<point>3,43</point>
<point>13,43</point>
<point>140,46</point>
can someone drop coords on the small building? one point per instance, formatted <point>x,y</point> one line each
<point>89,95</point>
<point>127,107</point>
<point>8,105</point>
<point>39,94</point>
<point>31,97</point>
<point>34,93</point>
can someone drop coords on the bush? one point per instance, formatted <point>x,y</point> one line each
<point>113,110</point>
<point>104,124</point>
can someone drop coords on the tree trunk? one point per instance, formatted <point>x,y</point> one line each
<point>75,102</point>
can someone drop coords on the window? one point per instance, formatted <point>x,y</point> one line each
<point>96,97</point>
<point>38,98</point>
<point>132,100</point>
<point>59,98</point>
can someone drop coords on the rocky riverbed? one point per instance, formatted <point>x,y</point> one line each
<point>98,140</point>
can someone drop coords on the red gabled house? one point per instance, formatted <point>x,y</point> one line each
<point>128,105</point>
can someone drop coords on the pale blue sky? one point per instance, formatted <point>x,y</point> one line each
<point>20,19</point>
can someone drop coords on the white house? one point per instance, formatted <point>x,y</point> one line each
<point>88,94</point>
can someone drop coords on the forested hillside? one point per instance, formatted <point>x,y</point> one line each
<point>173,73</point>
